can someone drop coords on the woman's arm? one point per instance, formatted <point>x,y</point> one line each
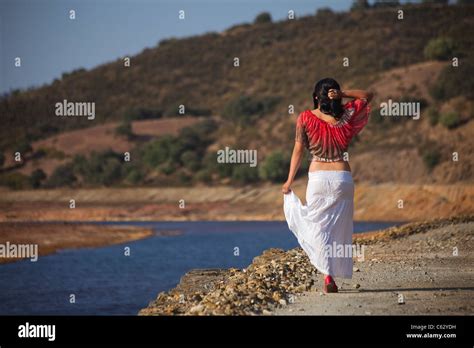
<point>296,158</point>
<point>351,93</point>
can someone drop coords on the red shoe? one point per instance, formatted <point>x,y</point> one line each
<point>329,285</point>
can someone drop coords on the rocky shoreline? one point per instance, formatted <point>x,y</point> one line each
<point>272,281</point>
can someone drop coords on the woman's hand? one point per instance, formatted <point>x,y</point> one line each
<point>286,188</point>
<point>334,94</point>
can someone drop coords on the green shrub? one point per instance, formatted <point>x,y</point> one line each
<point>431,158</point>
<point>63,175</point>
<point>134,176</point>
<point>244,174</point>
<point>375,118</point>
<point>433,115</point>
<point>209,162</point>
<point>23,147</point>
<point>36,177</point>
<point>204,175</point>
<point>184,178</point>
<point>190,160</point>
<point>440,48</point>
<point>168,167</point>
<point>360,5</point>
<point>104,168</point>
<point>111,172</point>
<point>454,81</point>
<point>263,17</point>
<point>125,130</point>
<point>161,150</point>
<point>386,3</point>
<point>246,110</point>
<point>198,111</point>
<point>174,109</point>
<point>15,181</point>
<point>450,120</point>
<point>275,167</point>
<point>143,114</point>
<point>442,2</point>
<point>387,63</point>
<point>196,138</point>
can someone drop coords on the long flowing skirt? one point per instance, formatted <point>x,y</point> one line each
<point>324,226</point>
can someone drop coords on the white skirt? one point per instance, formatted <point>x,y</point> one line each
<point>324,226</point>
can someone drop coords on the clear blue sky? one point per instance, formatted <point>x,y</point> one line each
<point>49,43</point>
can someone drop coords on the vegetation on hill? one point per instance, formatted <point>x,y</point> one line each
<point>278,62</point>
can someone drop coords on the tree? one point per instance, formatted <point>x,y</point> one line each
<point>191,160</point>
<point>440,48</point>
<point>244,174</point>
<point>24,147</point>
<point>263,17</point>
<point>37,176</point>
<point>450,120</point>
<point>454,82</point>
<point>245,109</point>
<point>63,175</point>
<point>386,3</point>
<point>360,5</point>
<point>125,130</point>
<point>431,158</point>
<point>275,167</point>
<point>443,2</point>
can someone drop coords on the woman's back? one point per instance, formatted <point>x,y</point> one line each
<point>328,139</point>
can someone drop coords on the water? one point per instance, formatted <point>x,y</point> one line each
<point>105,282</point>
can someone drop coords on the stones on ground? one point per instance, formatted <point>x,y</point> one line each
<point>356,286</point>
<point>271,281</point>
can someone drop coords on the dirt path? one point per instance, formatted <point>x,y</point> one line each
<point>419,270</point>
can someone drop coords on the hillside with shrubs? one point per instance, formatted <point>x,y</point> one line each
<point>254,105</point>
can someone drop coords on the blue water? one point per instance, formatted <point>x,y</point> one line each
<point>105,282</point>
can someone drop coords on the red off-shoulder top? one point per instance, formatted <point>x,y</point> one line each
<point>328,142</point>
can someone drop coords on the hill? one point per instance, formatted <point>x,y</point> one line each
<point>278,65</point>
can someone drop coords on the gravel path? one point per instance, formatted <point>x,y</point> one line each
<point>410,269</point>
<point>415,274</point>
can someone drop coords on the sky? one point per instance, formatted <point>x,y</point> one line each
<point>49,43</point>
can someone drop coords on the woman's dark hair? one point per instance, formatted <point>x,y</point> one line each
<point>332,107</point>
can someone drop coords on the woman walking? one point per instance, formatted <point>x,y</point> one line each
<point>324,226</point>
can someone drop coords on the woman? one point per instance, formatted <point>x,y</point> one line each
<point>324,225</point>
